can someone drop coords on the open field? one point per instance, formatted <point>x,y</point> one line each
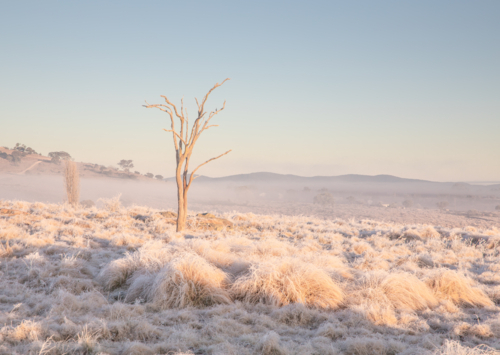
<point>119,280</point>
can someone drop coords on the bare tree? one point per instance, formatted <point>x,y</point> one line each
<point>184,142</point>
<point>72,182</point>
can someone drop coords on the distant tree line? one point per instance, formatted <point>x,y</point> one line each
<point>18,152</point>
<point>127,165</point>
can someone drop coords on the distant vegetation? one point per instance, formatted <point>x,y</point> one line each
<point>408,203</point>
<point>18,152</point>
<point>126,165</point>
<point>324,198</point>
<point>23,149</point>
<point>442,205</point>
<point>58,156</point>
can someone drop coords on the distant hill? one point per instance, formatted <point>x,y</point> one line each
<point>353,180</point>
<point>266,177</point>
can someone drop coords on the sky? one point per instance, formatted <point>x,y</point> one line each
<point>407,88</point>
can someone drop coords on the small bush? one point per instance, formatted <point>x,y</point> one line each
<point>442,205</point>
<point>324,198</point>
<point>408,203</point>
<point>112,204</point>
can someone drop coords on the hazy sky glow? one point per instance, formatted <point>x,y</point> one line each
<point>408,88</point>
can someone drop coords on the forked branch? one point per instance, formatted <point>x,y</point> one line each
<point>192,177</point>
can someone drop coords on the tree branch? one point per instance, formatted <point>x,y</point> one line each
<point>191,177</point>
<point>209,92</point>
<point>169,111</point>
<point>212,125</point>
<point>212,114</point>
<point>158,106</point>
<point>175,108</point>
<point>177,134</point>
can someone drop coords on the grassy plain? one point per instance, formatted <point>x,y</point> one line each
<point>120,280</point>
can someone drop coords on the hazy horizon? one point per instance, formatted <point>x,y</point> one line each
<point>317,89</point>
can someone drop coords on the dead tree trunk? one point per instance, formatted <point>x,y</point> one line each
<point>184,142</point>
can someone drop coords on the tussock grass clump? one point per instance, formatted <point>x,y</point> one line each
<point>368,298</point>
<point>151,257</point>
<point>115,274</point>
<point>287,280</point>
<point>450,285</point>
<point>406,292</point>
<point>188,280</point>
<point>27,330</point>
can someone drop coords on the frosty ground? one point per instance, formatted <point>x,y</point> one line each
<point>120,280</point>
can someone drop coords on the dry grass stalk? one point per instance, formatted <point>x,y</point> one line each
<point>72,182</point>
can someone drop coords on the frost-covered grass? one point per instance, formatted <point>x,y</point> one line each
<point>122,281</point>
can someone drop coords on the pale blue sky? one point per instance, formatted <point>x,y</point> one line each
<point>409,88</point>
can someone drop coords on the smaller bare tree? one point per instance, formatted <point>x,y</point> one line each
<point>72,182</point>
<point>184,142</point>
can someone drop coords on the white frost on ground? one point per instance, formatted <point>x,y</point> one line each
<point>121,281</point>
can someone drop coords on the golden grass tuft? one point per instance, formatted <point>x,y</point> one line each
<point>188,280</point>
<point>407,292</point>
<point>287,280</point>
<point>27,330</point>
<point>369,299</point>
<point>450,285</point>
